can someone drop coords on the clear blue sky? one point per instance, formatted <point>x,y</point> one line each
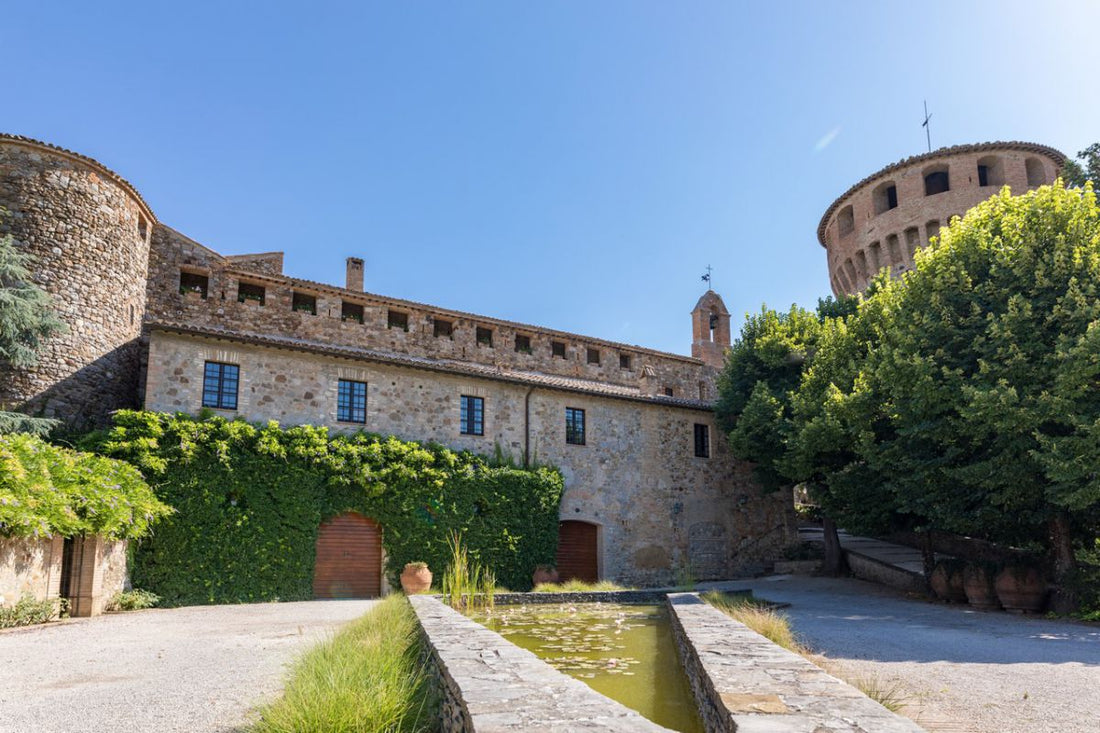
<point>568,164</point>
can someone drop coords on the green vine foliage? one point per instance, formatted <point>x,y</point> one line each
<point>249,501</point>
<point>47,490</point>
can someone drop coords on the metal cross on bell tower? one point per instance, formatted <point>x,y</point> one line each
<point>707,279</point>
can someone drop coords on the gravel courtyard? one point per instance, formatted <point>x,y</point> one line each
<point>965,671</point>
<point>184,669</point>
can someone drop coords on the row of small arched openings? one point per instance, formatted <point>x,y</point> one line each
<point>937,180</point>
<point>896,252</point>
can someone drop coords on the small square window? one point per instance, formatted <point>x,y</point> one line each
<point>574,426</point>
<point>249,293</point>
<point>471,415</point>
<point>484,336</point>
<point>191,282</point>
<point>351,312</point>
<point>557,349</point>
<point>523,343</point>
<point>624,361</point>
<point>351,401</point>
<point>143,227</point>
<point>593,356</point>
<point>443,329</point>
<point>304,303</point>
<point>219,385</point>
<point>669,392</point>
<point>702,441</point>
<point>397,319</point>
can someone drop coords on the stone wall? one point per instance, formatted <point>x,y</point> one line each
<point>862,236</point>
<point>488,684</point>
<point>173,253</point>
<point>29,567</point>
<point>89,233</point>
<point>745,683</point>
<point>659,509</point>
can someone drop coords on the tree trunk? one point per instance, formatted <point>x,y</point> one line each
<point>928,558</point>
<point>1064,599</point>
<point>834,564</point>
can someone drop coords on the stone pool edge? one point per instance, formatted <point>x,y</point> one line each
<point>744,683</point>
<point>488,684</point>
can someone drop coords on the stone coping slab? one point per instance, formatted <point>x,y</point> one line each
<point>745,683</point>
<point>489,684</point>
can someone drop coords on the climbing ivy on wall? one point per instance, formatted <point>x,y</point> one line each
<point>249,501</point>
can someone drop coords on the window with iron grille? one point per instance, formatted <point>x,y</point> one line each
<point>351,401</point>
<point>303,303</point>
<point>398,319</point>
<point>251,292</point>
<point>574,426</point>
<point>219,385</point>
<point>443,329</point>
<point>471,415</point>
<point>624,361</point>
<point>557,348</point>
<point>702,441</point>
<point>593,356</point>
<point>523,343</point>
<point>484,335</point>
<point>351,311</point>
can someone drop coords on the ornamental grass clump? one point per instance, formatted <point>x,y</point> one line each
<point>763,620</point>
<point>372,675</point>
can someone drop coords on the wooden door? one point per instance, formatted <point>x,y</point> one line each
<point>349,558</point>
<point>577,551</point>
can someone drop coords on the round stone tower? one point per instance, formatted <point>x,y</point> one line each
<point>882,220</point>
<point>88,230</point>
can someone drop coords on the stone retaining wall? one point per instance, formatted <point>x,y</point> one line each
<point>489,684</point>
<point>747,684</point>
<point>877,571</point>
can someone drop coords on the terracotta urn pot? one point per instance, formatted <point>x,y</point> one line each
<point>947,581</point>
<point>1021,588</point>
<point>978,584</point>
<point>544,574</point>
<point>416,578</point>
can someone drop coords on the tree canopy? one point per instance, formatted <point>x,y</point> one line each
<point>962,397</point>
<point>26,320</point>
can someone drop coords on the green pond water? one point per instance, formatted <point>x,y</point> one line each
<point>625,652</point>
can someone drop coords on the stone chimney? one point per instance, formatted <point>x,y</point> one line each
<point>355,274</point>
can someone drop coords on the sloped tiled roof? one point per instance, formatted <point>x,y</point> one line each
<point>448,366</point>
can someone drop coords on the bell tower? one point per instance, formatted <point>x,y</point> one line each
<point>710,330</point>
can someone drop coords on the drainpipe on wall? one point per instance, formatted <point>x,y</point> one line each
<point>527,427</point>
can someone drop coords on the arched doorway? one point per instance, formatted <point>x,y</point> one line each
<point>578,551</point>
<point>349,558</point>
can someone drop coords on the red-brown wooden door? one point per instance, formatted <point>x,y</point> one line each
<point>577,551</point>
<point>349,558</point>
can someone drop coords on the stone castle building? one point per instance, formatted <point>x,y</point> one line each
<point>161,321</point>
<point>881,221</point>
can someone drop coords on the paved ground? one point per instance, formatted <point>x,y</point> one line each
<point>964,670</point>
<point>185,669</point>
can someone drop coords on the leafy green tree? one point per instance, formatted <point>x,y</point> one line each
<point>1086,168</point>
<point>26,320</point>
<point>987,374</point>
<point>763,367</point>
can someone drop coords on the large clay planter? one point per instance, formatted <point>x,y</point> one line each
<point>544,574</point>
<point>947,582</point>
<point>1021,589</point>
<point>415,579</point>
<point>978,583</point>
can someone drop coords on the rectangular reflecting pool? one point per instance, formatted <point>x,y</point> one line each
<point>626,652</point>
